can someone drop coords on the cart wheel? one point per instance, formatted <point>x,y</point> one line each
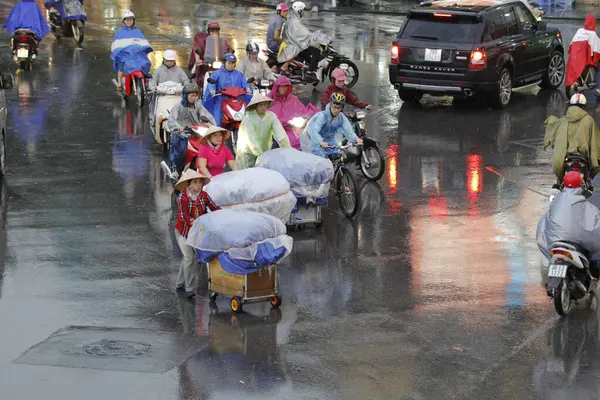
<point>318,224</point>
<point>236,304</point>
<point>212,296</point>
<point>275,301</point>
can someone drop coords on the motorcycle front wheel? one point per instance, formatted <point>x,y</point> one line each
<point>372,163</point>
<point>78,34</point>
<point>562,299</point>
<point>349,67</point>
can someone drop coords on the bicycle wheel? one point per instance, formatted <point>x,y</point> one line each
<point>347,192</point>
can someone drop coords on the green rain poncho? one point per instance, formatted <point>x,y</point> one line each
<point>256,136</point>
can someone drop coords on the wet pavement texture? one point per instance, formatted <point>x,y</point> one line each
<point>432,291</point>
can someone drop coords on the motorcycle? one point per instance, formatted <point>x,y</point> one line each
<point>183,150</point>
<point>330,60</point>
<point>24,46</point>
<point>168,94</point>
<point>233,108</point>
<point>67,18</point>
<point>370,160</point>
<point>579,164</point>
<point>135,84</point>
<point>569,277</point>
<point>263,86</point>
<point>586,81</point>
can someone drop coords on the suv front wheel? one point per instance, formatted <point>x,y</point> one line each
<point>409,96</point>
<point>501,96</point>
<point>555,74</point>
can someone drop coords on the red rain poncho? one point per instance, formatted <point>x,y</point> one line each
<point>584,50</point>
<point>289,106</point>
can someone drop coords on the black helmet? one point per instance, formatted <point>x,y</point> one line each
<point>252,48</point>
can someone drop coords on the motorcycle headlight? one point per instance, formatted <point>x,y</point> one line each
<point>265,83</point>
<point>361,114</point>
<point>297,122</point>
<point>217,65</point>
<point>238,116</point>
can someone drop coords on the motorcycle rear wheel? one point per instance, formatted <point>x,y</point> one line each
<point>78,33</point>
<point>352,72</point>
<point>562,299</point>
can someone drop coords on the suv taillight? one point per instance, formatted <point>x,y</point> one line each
<point>478,59</point>
<point>395,52</point>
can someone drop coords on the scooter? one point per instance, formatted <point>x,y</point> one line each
<point>168,94</point>
<point>578,164</point>
<point>586,81</point>
<point>183,150</point>
<point>569,277</point>
<point>135,84</point>
<point>233,108</point>
<point>263,86</point>
<point>67,18</point>
<point>370,160</point>
<point>24,46</point>
<point>330,60</point>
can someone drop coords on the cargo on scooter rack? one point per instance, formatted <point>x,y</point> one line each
<point>24,46</point>
<point>168,94</point>
<point>67,18</point>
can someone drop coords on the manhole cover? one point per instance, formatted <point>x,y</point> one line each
<point>116,348</point>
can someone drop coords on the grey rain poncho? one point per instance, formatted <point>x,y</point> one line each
<point>299,38</point>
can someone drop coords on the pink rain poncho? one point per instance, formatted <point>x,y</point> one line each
<point>289,106</point>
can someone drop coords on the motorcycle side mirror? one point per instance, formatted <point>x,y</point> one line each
<point>251,80</point>
<point>541,25</point>
<point>7,81</point>
<point>197,51</point>
<point>211,81</point>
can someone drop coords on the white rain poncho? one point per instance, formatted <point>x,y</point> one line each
<point>309,175</point>
<point>571,218</point>
<point>243,241</point>
<point>297,38</point>
<point>253,189</point>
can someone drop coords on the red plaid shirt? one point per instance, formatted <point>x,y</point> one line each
<point>188,210</point>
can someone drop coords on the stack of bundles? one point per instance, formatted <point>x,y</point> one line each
<point>309,175</point>
<point>253,189</point>
<point>242,241</point>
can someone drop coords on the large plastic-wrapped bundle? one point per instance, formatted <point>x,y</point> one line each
<point>253,189</point>
<point>571,218</point>
<point>309,175</point>
<point>243,241</point>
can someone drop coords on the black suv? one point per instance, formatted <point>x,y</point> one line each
<point>461,48</point>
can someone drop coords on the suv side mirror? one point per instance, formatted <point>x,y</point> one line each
<point>7,82</point>
<point>541,25</point>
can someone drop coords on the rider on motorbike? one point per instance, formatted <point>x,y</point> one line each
<point>27,15</point>
<point>225,77</point>
<point>189,111</point>
<point>274,37</point>
<point>576,133</point>
<point>196,64</point>
<point>254,67</point>
<point>169,71</point>
<point>130,49</point>
<point>584,50</point>
<point>338,85</point>
<point>327,128</point>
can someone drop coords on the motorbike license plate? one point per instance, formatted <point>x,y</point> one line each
<point>22,53</point>
<point>433,54</point>
<point>557,271</point>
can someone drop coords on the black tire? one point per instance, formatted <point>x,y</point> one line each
<point>212,296</point>
<point>558,301</point>
<point>410,96</point>
<point>275,301</point>
<point>353,78</point>
<point>347,192</point>
<point>236,304</point>
<point>78,34</point>
<point>500,98</point>
<point>555,72</point>
<point>3,156</point>
<point>374,174</point>
<point>23,65</point>
<point>141,96</point>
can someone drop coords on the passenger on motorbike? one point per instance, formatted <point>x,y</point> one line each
<point>254,67</point>
<point>274,37</point>
<point>328,128</point>
<point>130,49</point>
<point>219,46</point>
<point>213,155</point>
<point>584,50</point>
<point>257,131</point>
<point>225,77</point>
<point>338,85</point>
<point>288,107</point>
<point>189,111</point>
<point>27,15</point>
<point>576,133</point>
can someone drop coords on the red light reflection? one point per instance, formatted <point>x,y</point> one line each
<point>474,175</point>
<point>392,169</point>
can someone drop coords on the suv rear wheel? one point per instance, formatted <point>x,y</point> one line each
<point>555,74</point>
<point>409,96</point>
<point>501,96</point>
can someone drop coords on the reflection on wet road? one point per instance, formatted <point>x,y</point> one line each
<point>432,291</point>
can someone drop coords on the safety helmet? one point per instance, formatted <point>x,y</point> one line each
<point>128,14</point>
<point>170,55</point>
<point>282,7</point>
<point>572,179</point>
<point>298,6</point>
<point>213,25</point>
<point>230,57</point>
<point>578,99</point>
<point>339,74</point>
<point>252,48</point>
<point>338,98</point>
<point>191,88</point>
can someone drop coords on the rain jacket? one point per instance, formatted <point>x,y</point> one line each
<point>255,69</point>
<point>200,43</point>
<point>584,50</point>
<point>69,10</point>
<point>256,136</point>
<point>166,74</point>
<point>297,37</point>
<point>576,133</point>
<point>350,97</point>
<point>571,218</point>
<point>27,15</point>
<point>224,80</point>
<point>184,115</point>
<point>287,107</point>
<point>324,128</point>
<point>129,51</point>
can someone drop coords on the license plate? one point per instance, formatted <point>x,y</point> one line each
<point>433,54</point>
<point>22,53</point>
<point>557,271</point>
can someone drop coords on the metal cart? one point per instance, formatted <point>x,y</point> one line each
<point>306,214</point>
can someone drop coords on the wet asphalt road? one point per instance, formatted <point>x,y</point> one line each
<point>432,291</point>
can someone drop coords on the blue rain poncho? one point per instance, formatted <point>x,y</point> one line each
<point>224,80</point>
<point>129,51</point>
<point>69,10</point>
<point>27,15</point>
<point>322,127</point>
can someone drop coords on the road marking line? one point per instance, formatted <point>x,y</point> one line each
<point>495,171</point>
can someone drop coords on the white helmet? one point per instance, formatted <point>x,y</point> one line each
<point>128,14</point>
<point>170,55</point>
<point>298,6</point>
<point>578,98</point>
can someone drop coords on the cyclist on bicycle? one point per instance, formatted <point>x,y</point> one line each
<point>327,128</point>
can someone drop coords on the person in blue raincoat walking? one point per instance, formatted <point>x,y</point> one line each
<point>129,50</point>
<point>327,128</point>
<point>225,77</point>
<point>27,15</point>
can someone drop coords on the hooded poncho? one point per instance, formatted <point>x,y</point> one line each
<point>27,15</point>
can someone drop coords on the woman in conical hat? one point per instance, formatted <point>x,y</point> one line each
<point>213,154</point>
